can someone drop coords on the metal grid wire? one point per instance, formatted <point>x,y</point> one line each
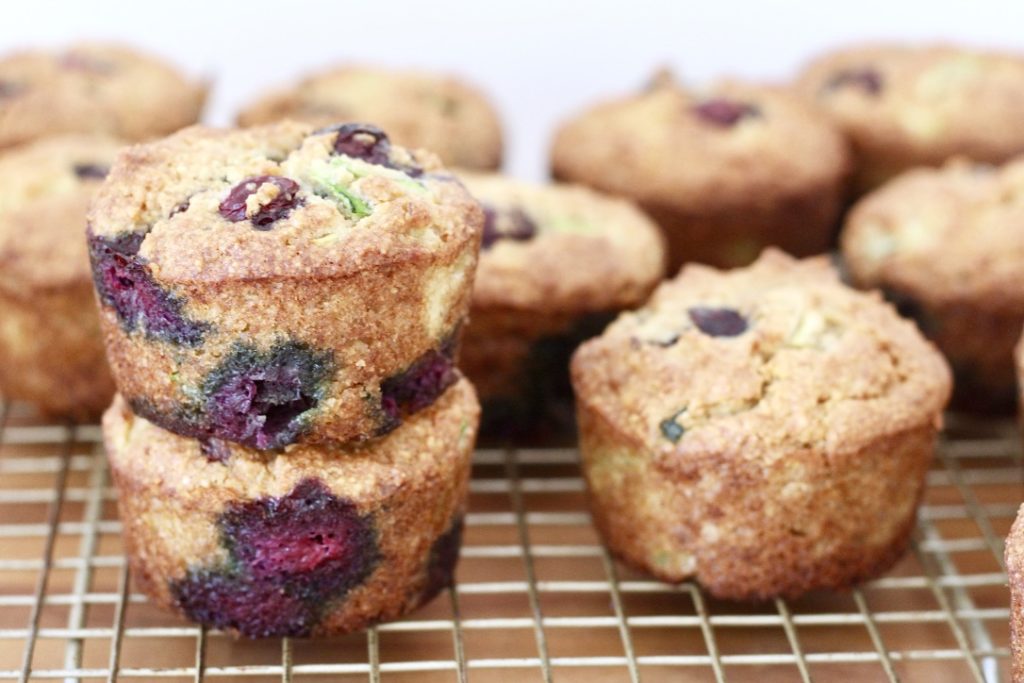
<point>538,597</point>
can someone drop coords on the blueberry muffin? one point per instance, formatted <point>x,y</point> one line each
<point>724,172</point>
<point>1015,568</point>
<point>93,88</point>
<point>947,245</point>
<point>280,283</point>
<point>903,106</point>
<point>51,349</point>
<point>440,113</point>
<point>557,262</point>
<point>765,430</point>
<point>317,541</point>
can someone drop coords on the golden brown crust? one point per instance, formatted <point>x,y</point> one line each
<point>695,176</point>
<point>439,113</point>
<point>932,102</point>
<point>412,486</point>
<point>948,244</point>
<point>1014,556</point>
<point>374,292</point>
<point>93,88</point>
<point>785,454</point>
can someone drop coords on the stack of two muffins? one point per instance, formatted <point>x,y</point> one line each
<point>281,308</point>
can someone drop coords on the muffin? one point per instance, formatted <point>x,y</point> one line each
<point>1015,568</point>
<point>282,284</point>
<point>947,245</point>
<point>315,541</point>
<point>93,88</point>
<point>903,106</point>
<point>765,430</point>
<point>724,172</point>
<point>440,113</point>
<point>557,262</point>
<point>51,349</point>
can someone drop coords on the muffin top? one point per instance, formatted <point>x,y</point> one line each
<point>279,201</point>
<point>761,361</point>
<point>93,88</point>
<point>418,109</point>
<point>927,102</point>
<point>562,248</point>
<point>943,235</point>
<point>679,148</point>
<point>45,188</point>
<point>427,445</point>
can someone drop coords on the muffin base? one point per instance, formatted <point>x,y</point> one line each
<point>51,353</point>
<point>809,520</point>
<point>398,504</point>
<point>1014,556</point>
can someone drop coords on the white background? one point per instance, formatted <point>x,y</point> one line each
<point>540,61</point>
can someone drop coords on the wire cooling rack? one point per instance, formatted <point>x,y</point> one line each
<point>537,598</point>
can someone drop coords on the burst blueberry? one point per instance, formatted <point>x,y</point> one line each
<point>261,399</point>
<point>368,143</point>
<point>444,555</point>
<point>724,112</point>
<point>418,386</point>
<point>509,224</point>
<point>91,171</point>
<point>235,206</point>
<point>125,283</point>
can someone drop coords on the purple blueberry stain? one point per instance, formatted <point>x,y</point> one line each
<point>290,557</point>
<point>235,206</point>
<point>368,143</point>
<point>444,555</point>
<point>506,224</point>
<point>724,112</point>
<point>87,171</point>
<point>718,322</point>
<point>864,78</point>
<point>256,610</point>
<point>418,386</point>
<point>263,399</point>
<point>124,282</point>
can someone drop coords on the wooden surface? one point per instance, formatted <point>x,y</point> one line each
<point>917,613</point>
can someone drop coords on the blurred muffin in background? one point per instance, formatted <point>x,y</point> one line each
<point>947,246</point>
<point>903,106</point>
<point>558,262</point>
<point>725,172</point>
<point>51,350</point>
<point>93,88</point>
<point>439,113</point>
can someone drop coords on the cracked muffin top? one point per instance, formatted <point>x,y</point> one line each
<point>280,201</point>
<point>93,88</point>
<point>943,235</point>
<point>759,361</point>
<point>418,109</point>
<point>931,101</point>
<point>615,254</point>
<point>45,188</point>
<point>675,147</point>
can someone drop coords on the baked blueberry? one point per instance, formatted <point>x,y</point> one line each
<point>718,322</point>
<point>725,112</point>
<point>282,197</point>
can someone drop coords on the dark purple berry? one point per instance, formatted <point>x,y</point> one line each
<point>234,207</point>
<point>255,609</point>
<point>444,555</point>
<point>865,78</point>
<point>261,399</point>
<point>310,541</point>
<point>180,207</point>
<point>671,429</point>
<point>718,322</point>
<point>215,450</point>
<point>418,386</point>
<point>91,171</point>
<point>507,224</point>
<point>10,89</point>
<point>367,142</point>
<point>724,112</point>
<point>124,282</point>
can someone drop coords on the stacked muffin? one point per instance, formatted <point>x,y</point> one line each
<point>281,308</point>
<point>63,115</point>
